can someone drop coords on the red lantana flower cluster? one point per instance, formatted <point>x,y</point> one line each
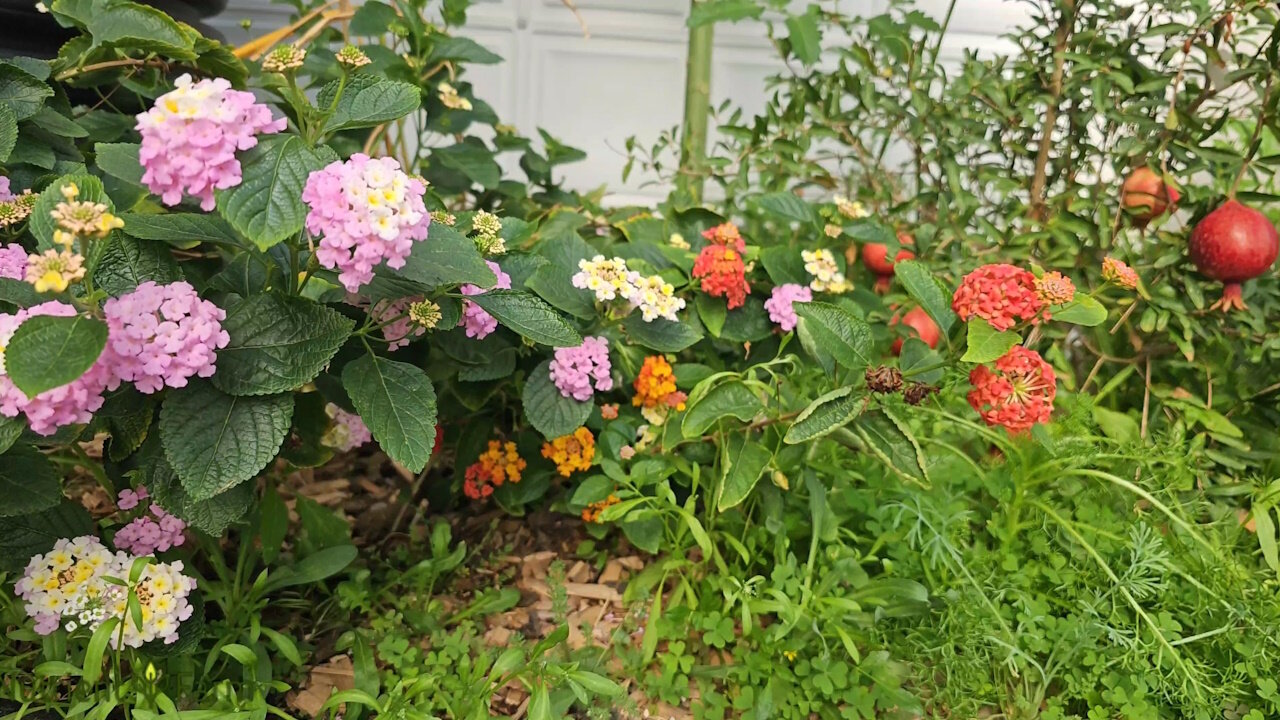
<point>720,265</point>
<point>1017,394</point>
<point>1001,294</point>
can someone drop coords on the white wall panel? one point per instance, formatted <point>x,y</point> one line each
<point>627,77</point>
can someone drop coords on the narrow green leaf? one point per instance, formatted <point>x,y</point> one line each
<point>729,399</point>
<point>824,415</point>
<point>747,459</point>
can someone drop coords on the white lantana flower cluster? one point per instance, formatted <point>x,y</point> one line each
<point>821,264</point>
<point>77,585</point>
<point>609,279</point>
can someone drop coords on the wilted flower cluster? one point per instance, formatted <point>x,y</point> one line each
<point>153,531</point>
<point>1017,394</point>
<point>1001,294</point>
<point>781,304</point>
<point>13,262</point>
<point>475,320</point>
<point>69,587</point>
<point>656,393</point>
<point>571,453</point>
<point>1054,288</point>
<point>191,135</point>
<point>827,277</point>
<point>721,267</point>
<point>591,513</point>
<point>347,431</point>
<point>578,371</point>
<point>610,280</point>
<point>366,211</point>
<point>162,335</point>
<point>499,464</point>
<point>69,404</point>
<point>1116,271</point>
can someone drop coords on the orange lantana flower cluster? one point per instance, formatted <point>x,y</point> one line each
<point>499,464</point>
<point>591,513</point>
<point>720,265</point>
<point>572,452</point>
<point>656,392</point>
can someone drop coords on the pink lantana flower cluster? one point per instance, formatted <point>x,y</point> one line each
<point>80,584</point>
<point>191,135</point>
<point>347,431</point>
<point>1001,294</point>
<point>577,370</point>
<point>781,304</point>
<point>1018,393</point>
<point>6,192</point>
<point>478,323</point>
<point>151,532</point>
<point>13,260</point>
<point>162,335</point>
<point>68,404</point>
<point>366,211</point>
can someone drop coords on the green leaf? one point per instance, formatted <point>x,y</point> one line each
<point>29,534</point>
<point>366,101</point>
<point>529,316</point>
<point>312,569</point>
<point>986,344</point>
<point>278,343</point>
<point>784,265</point>
<point>22,93</point>
<point>446,257</point>
<point>889,440</point>
<point>8,131</point>
<point>463,50</point>
<point>553,281</point>
<point>836,335</point>
<point>181,230</point>
<point>213,515</point>
<point>729,399</point>
<point>41,222</point>
<point>1116,425</point>
<point>746,459</point>
<point>548,411</point>
<point>48,352</point>
<point>788,206</point>
<point>712,11</point>
<point>919,363</point>
<point>97,647</point>
<point>119,160</point>
<point>19,293</point>
<point>124,263</point>
<point>398,403</point>
<point>53,122</point>
<point>921,285</point>
<point>662,335</point>
<point>216,441</point>
<point>10,430</point>
<point>1084,310</point>
<point>713,312</point>
<point>267,207</point>
<point>824,415</point>
<point>29,483</point>
<point>472,159</point>
<point>805,37</point>
<point>128,25</point>
<point>749,323</point>
<point>373,18</point>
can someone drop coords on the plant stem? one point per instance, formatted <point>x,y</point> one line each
<point>1039,180</point>
<point>1255,142</point>
<point>697,109</point>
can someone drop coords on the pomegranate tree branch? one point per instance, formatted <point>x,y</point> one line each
<point>1255,142</point>
<point>1039,180</point>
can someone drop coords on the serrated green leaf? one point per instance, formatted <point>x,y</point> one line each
<point>123,263</point>
<point>553,281</point>
<point>788,206</point>
<point>213,515</point>
<point>119,160</point>
<point>824,415</point>
<point>838,337</point>
<point>529,316</point>
<point>662,335</point>
<point>19,293</point>
<point>10,430</point>
<point>805,37</point>
<point>463,50</point>
<point>48,351</point>
<point>548,411</point>
<point>21,92</point>
<point>29,483</point>
<point>128,25</point>
<point>267,207</point>
<point>181,230</point>
<point>986,344</point>
<point>446,257</point>
<point>921,285</point>
<point>26,535</point>
<point>472,159</point>
<point>278,343</point>
<point>728,399</point>
<point>8,131</point>
<point>888,439</point>
<point>398,403</point>
<point>366,101</point>
<point>215,441</point>
<point>746,459</point>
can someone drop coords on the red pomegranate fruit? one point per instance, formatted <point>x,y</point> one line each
<point>925,328</point>
<point>1233,243</point>
<point>876,255</point>
<point>1145,196</point>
